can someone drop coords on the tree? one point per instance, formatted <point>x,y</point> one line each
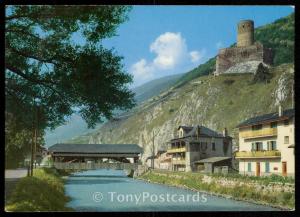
<point>43,63</point>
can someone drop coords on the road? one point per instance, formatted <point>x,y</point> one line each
<point>11,178</point>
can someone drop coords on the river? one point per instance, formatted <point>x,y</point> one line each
<point>112,190</point>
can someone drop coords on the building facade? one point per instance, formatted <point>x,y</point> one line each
<point>192,144</point>
<point>266,144</point>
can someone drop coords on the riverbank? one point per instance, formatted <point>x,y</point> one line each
<point>278,195</point>
<point>42,192</point>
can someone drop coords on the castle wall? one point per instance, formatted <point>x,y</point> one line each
<point>245,51</point>
<point>231,56</point>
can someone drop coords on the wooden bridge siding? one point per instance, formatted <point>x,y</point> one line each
<point>90,166</point>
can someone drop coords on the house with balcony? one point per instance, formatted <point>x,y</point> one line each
<point>195,143</point>
<point>266,144</point>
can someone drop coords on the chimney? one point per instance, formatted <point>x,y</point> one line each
<point>279,111</point>
<point>225,132</point>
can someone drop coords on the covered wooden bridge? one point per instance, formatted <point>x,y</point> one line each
<point>95,156</point>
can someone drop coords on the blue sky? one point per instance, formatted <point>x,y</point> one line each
<point>158,41</point>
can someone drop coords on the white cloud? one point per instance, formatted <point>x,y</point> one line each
<point>171,52</point>
<point>196,56</point>
<point>170,49</point>
<point>142,71</point>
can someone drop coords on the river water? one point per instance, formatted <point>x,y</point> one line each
<point>112,190</point>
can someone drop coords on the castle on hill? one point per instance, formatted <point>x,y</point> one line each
<point>247,54</point>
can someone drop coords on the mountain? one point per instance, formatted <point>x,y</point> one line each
<point>74,127</point>
<point>215,102</point>
<point>154,87</point>
<point>76,131</point>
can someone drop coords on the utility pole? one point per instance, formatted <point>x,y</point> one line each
<point>32,146</point>
<point>34,139</point>
<point>153,148</point>
<point>293,95</point>
<point>152,159</point>
<point>31,160</point>
<point>153,151</point>
<point>36,133</point>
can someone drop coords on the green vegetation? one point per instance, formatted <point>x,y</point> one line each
<point>263,179</point>
<point>237,191</point>
<point>203,69</point>
<point>42,192</point>
<point>154,87</point>
<point>280,36</point>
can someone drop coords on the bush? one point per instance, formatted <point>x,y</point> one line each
<point>171,110</point>
<point>229,81</point>
<point>42,192</point>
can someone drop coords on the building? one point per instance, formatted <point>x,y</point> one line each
<point>246,55</point>
<point>192,144</point>
<point>215,164</point>
<point>162,160</point>
<point>266,144</point>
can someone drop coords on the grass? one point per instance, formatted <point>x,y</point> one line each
<point>263,179</point>
<point>42,192</point>
<point>240,192</point>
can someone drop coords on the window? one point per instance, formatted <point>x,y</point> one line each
<point>272,145</point>
<point>267,167</point>
<point>203,146</point>
<point>286,140</point>
<point>286,122</point>
<point>274,125</point>
<point>249,167</point>
<point>257,146</point>
<point>213,146</point>
<point>257,127</point>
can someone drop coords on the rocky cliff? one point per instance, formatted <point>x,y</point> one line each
<point>215,102</point>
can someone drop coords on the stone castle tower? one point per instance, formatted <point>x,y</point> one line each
<point>246,55</point>
<point>245,35</point>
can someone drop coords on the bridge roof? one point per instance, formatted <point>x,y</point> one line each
<point>95,148</point>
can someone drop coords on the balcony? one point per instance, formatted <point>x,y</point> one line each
<point>176,150</point>
<point>259,133</point>
<point>258,154</point>
<point>178,161</point>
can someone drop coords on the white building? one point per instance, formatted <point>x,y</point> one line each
<point>266,144</point>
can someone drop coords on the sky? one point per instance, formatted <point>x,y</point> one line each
<point>158,41</point>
